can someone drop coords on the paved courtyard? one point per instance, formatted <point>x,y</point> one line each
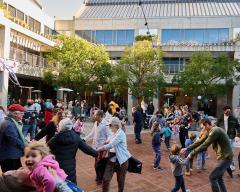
<point>150,180</point>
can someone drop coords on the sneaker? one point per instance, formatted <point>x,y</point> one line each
<point>198,171</point>
<point>187,173</point>
<point>191,170</point>
<point>158,168</point>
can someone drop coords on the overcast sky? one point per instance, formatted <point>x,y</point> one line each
<point>62,9</point>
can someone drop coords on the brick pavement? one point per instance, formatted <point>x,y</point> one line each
<point>150,180</point>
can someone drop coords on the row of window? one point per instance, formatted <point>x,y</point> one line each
<point>195,35</point>
<point>32,23</point>
<point>126,37</point>
<point>108,37</point>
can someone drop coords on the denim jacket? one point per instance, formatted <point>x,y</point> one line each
<point>119,143</point>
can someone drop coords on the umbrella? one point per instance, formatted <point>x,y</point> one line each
<point>65,89</point>
<point>168,95</point>
<point>36,91</point>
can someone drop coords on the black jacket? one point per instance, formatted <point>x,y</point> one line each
<point>48,131</point>
<point>233,126</point>
<point>64,146</point>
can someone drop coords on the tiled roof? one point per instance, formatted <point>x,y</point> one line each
<point>159,8</point>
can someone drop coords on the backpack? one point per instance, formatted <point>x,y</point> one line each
<point>161,121</point>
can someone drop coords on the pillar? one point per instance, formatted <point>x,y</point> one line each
<point>130,105</point>
<point>156,103</point>
<point>4,75</point>
<point>236,88</point>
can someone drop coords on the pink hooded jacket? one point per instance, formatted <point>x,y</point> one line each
<point>43,180</point>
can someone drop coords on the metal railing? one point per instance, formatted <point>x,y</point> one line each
<point>27,58</point>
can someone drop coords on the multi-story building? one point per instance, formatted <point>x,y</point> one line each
<point>183,26</point>
<point>25,36</point>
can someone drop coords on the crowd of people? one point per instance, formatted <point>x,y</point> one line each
<point>174,123</point>
<point>50,164</point>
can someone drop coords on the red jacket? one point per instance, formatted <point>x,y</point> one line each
<point>48,116</point>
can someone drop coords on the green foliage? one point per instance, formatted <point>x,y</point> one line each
<point>77,64</point>
<point>206,75</point>
<point>143,69</point>
<point>154,38</point>
<point>2,6</point>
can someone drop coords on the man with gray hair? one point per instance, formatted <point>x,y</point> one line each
<point>99,135</point>
<point>12,141</point>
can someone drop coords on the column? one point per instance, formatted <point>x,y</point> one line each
<point>236,88</point>
<point>156,103</point>
<point>130,106</point>
<point>4,76</point>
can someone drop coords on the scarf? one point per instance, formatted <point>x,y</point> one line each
<point>19,126</point>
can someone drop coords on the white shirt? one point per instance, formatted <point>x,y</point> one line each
<point>99,134</point>
<point>226,123</point>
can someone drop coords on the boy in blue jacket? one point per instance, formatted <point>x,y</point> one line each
<point>156,145</point>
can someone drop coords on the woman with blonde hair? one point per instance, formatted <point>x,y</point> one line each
<point>51,128</point>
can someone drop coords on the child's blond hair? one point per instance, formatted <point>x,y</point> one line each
<point>175,149</point>
<point>39,146</point>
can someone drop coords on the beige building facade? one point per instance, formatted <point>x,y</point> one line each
<point>25,37</point>
<point>183,27</point>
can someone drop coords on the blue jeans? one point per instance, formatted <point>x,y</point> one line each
<point>158,155</point>
<point>179,183</point>
<point>29,128</point>
<point>189,165</point>
<point>216,176</point>
<point>201,160</point>
<point>167,142</point>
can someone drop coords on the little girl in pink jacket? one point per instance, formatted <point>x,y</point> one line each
<point>39,160</point>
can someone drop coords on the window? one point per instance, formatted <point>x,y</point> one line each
<point>12,10</point>
<point>46,30</point>
<point>104,37</point>
<point>174,65</point>
<point>87,35</point>
<point>195,35</point>
<point>108,37</point>
<point>37,26</point>
<point>31,23</point>
<point>20,15</point>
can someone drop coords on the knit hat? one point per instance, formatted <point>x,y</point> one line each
<point>16,107</point>
<point>65,124</point>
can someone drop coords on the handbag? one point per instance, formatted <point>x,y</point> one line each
<point>134,165</point>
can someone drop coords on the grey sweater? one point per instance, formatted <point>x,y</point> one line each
<point>177,163</point>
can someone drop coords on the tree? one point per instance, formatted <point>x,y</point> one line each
<point>143,69</point>
<point>206,75</point>
<point>153,37</point>
<point>77,64</point>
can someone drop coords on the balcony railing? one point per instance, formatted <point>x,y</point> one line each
<point>27,58</point>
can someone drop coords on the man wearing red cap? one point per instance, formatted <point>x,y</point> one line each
<point>12,141</point>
